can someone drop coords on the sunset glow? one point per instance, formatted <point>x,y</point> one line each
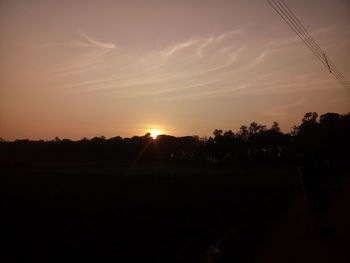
<point>77,69</point>
<point>156,130</point>
<point>154,133</point>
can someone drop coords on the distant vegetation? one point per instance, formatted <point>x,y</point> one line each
<point>254,144</point>
<point>89,201</point>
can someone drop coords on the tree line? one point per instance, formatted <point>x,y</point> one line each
<point>251,144</point>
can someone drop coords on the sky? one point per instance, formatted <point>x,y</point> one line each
<point>88,68</point>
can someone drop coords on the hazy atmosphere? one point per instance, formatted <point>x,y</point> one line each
<point>90,68</point>
<point>175,131</point>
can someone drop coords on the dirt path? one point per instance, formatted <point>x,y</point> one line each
<point>289,237</point>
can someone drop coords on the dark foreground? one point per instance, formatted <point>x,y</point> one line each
<point>288,237</point>
<point>151,213</point>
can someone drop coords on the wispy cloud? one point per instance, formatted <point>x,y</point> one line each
<point>289,87</point>
<point>291,41</point>
<point>201,43</point>
<point>177,47</point>
<point>221,37</point>
<point>218,92</point>
<point>89,42</point>
<point>205,43</point>
<point>201,67</point>
<point>96,43</point>
<point>81,63</point>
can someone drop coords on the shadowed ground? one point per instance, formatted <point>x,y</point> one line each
<point>290,239</point>
<point>101,213</point>
<point>287,236</point>
<point>108,213</point>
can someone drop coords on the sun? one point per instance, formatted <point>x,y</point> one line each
<point>154,133</point>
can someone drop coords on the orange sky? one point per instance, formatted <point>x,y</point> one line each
<point>90,68</point>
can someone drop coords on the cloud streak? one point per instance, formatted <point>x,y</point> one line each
<point>200,43</point>
<point>170,51</point>
<point>96,43</point>
<point>88,43</point>
<point>201,67</point>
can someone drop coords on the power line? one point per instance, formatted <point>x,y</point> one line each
<point>296,31</point>
<point>299,29</point>
<point>302,27</point>
<point>315,47</point>
<point>311,43</point>
<point>332,68</point>
<point>295,24</point>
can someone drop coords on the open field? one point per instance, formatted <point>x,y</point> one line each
<point>101,212</point>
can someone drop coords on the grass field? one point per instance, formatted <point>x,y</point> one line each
<point>104,212</point>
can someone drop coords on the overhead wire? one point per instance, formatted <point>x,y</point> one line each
<point>302,35</point>
<point>299,29</point>
<point>321,54</point>
<point>332,68</point>
<point>282,9</point>
<point>289,23</point>
<point>302,26</point>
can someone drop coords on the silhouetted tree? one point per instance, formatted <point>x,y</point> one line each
<point>255,144</point>
<point>275,127</point>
